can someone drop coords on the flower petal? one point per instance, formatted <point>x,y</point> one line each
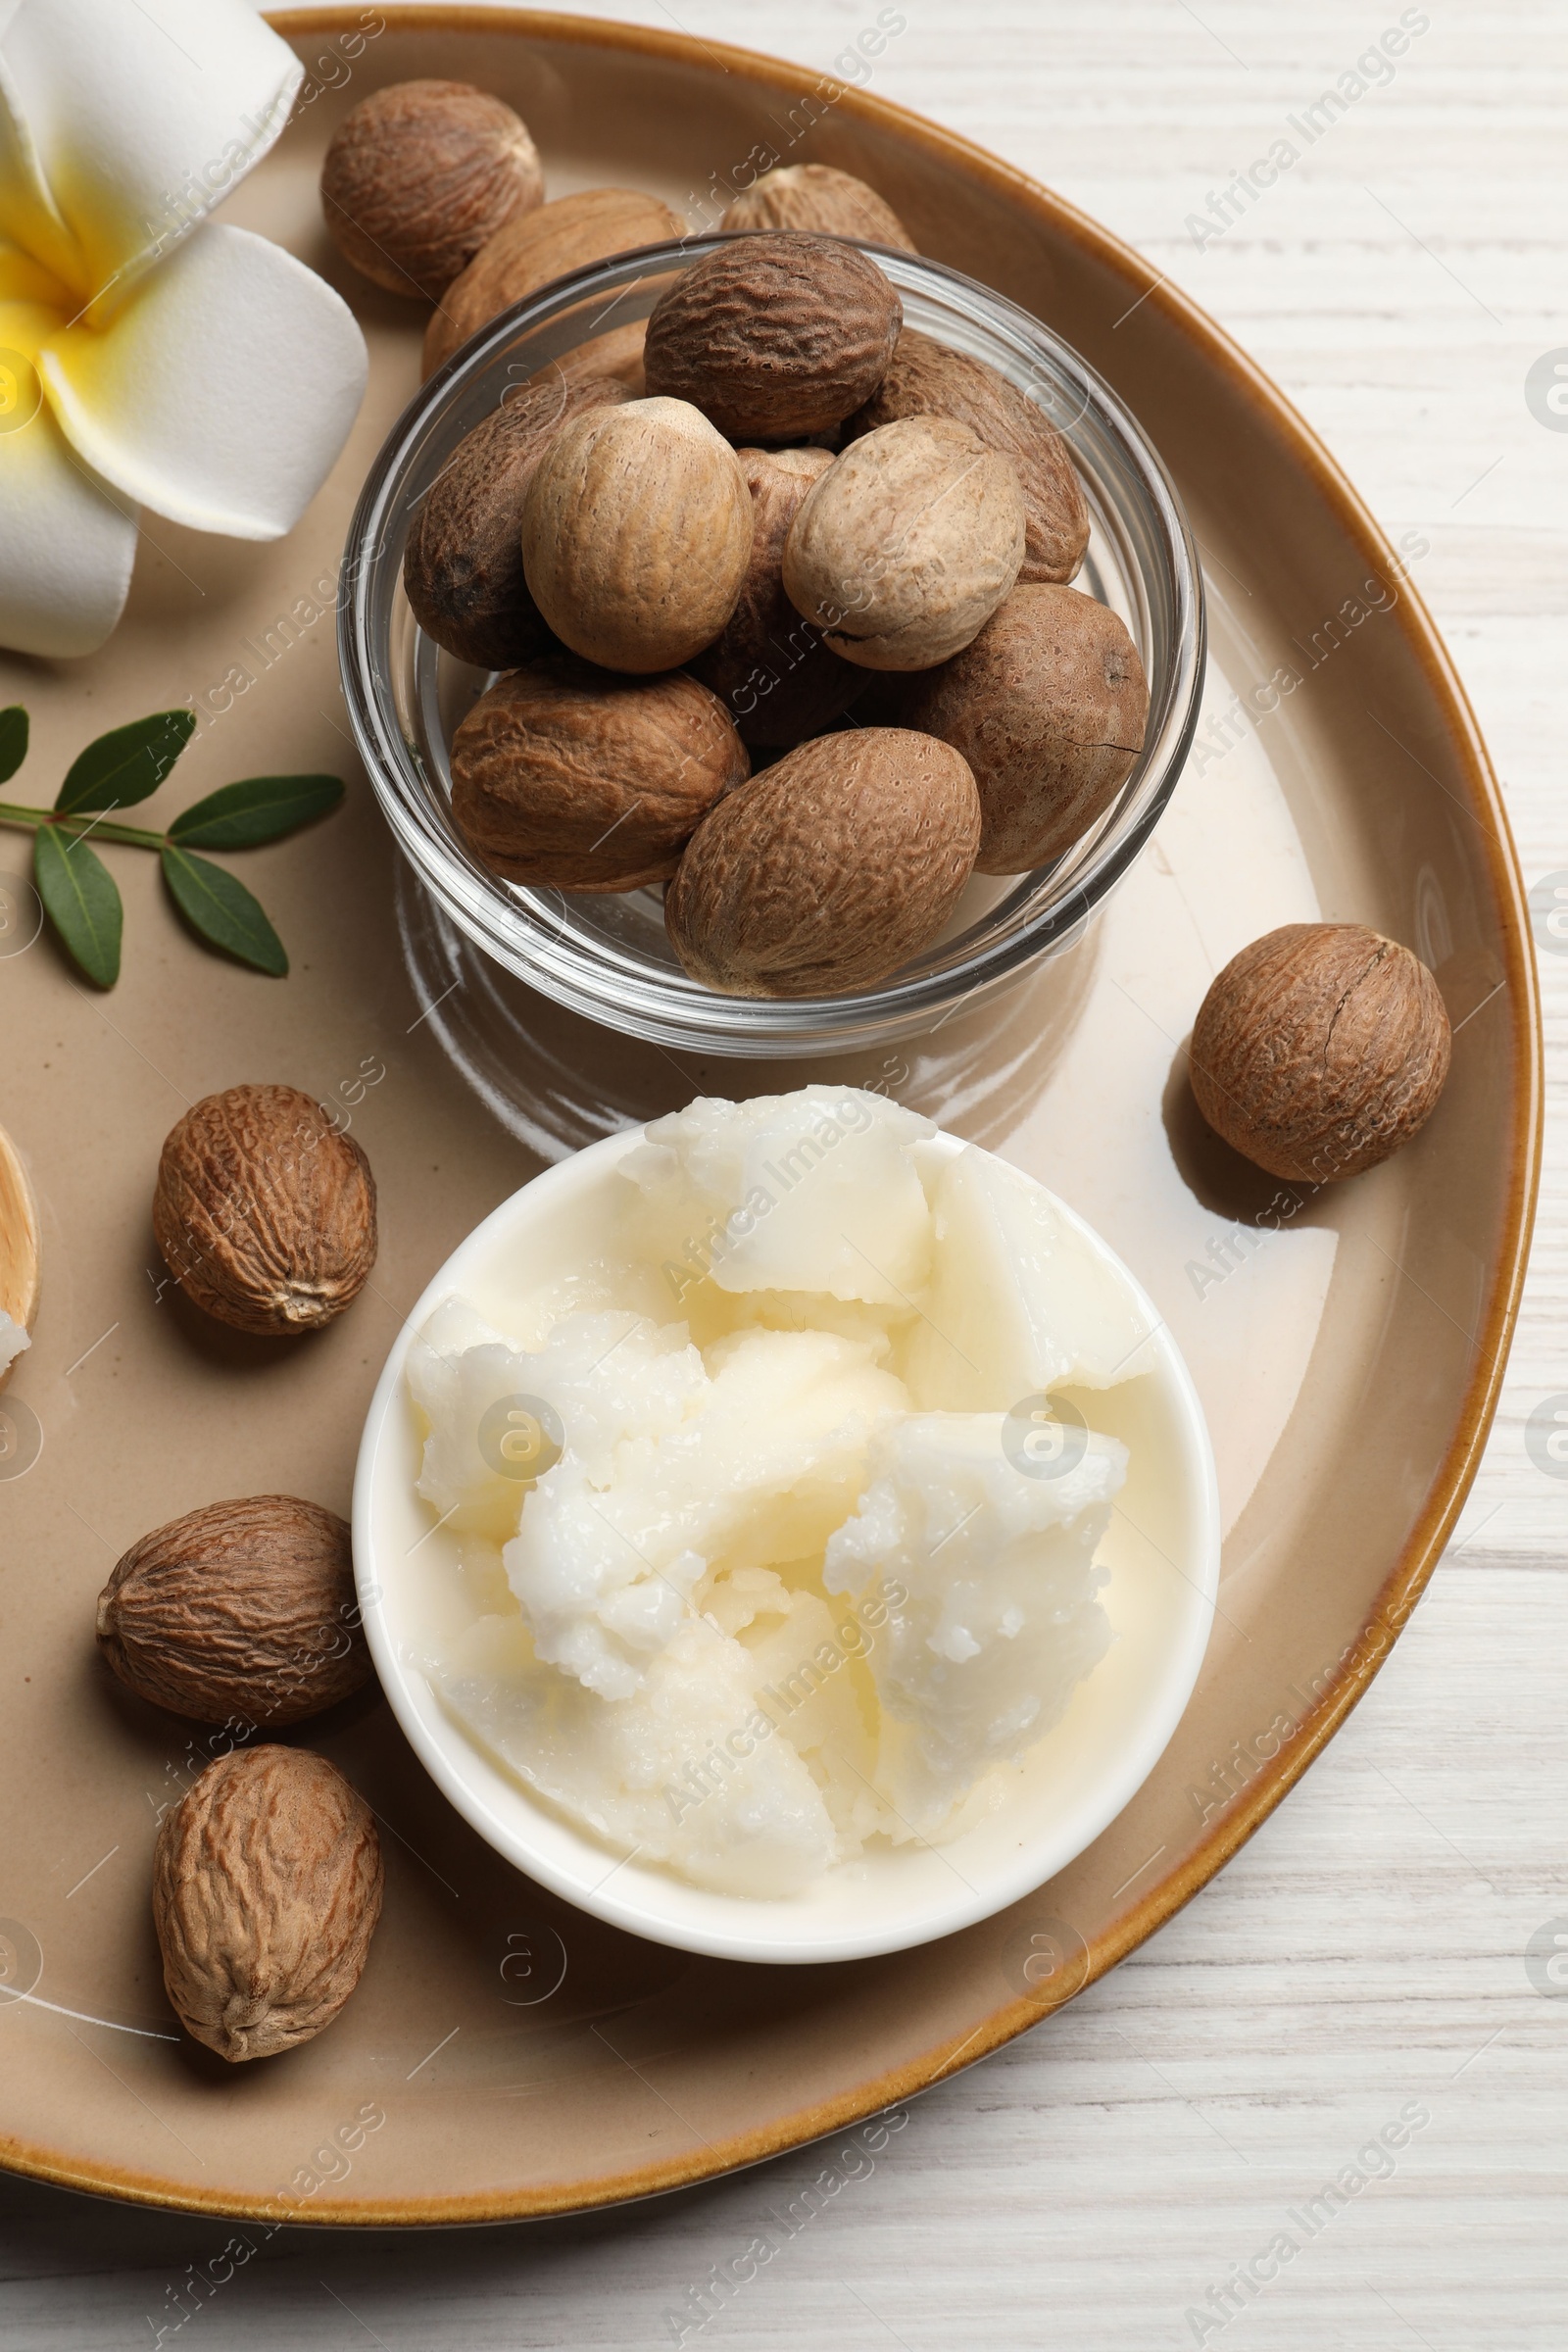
<point>26,205</point>
<point>221,392</point>
<point>23,279</point>
<point>67,549</point>
<point>142,117</point>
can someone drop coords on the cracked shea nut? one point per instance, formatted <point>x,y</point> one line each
<point>240,1611</point>
<point>926,378</point>
<point>636,535</point>
<point>1319,1049</point>
<point>463,568</point>
<point>265,1211</point>
<point>768,666</point>
<point>573,778</point>
<point>909,543</point>
<point>267,1887</point>
<point>1048,705</point>
<point>538,247</point>
<point>774,337</point>
<point>420,176</point>
<point>828,870</point>
<point>816,196</point>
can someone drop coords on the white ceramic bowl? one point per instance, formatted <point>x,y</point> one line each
<point>1162,1550</point>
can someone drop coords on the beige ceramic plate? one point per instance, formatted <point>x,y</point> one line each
<point>504,2054</point>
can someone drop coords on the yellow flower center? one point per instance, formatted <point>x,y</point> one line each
<point>24,327</point>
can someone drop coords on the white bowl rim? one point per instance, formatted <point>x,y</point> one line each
<point>659,1921</point>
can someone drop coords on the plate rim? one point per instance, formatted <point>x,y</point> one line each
<point>1410,1571</point>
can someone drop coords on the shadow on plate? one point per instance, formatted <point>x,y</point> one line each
<point>1219,1177</point>
<point>558,1082</point>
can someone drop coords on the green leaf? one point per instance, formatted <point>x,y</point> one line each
<point>259,809</point>
<point>126,766</point>
<point>81,901</point>
<point>222,911</point>
<point>13,740</point>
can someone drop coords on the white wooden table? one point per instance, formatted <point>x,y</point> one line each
<point>1090,2185</point>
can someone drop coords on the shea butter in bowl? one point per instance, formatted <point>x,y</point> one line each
<point>786,1530</point>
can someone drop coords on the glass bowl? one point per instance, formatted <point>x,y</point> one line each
<point>607,956</point>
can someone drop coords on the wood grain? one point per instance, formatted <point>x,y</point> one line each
<point>1088,2185</point>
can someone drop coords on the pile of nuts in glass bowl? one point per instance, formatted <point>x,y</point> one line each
<point>780,599</point>
<point>677,582</point>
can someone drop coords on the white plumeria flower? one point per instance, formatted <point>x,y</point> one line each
<point>148,356</point>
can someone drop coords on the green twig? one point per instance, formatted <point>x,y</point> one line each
<point>118,770</point>
<point>11,815</point>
